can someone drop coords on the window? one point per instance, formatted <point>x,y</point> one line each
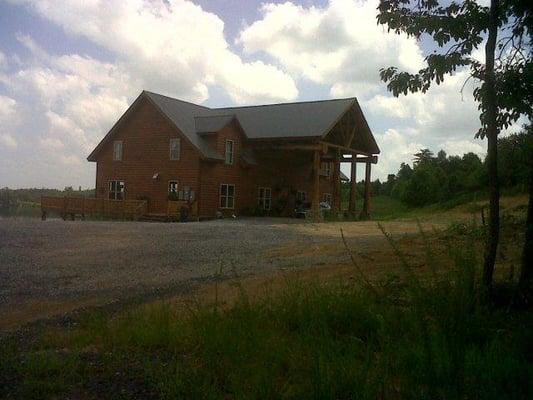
<point>326,198</point>
<point>227,195</point>
<point>116,190</point>
<point>117,150</point>
<point>172,187</point>
<point>300,197</point>
<point>326,167</point>
<point>265,198</point>
<point>175,148</point>
<point>230,147</point>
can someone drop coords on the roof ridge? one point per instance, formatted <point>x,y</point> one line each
<point>256,105</point>
<point>285,103</point>
<point>175,99</point>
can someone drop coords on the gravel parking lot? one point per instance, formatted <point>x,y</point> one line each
<point>53,267</point>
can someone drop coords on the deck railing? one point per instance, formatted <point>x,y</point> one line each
<point>82,206</point>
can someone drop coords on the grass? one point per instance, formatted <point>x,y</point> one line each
<point>426,336</point>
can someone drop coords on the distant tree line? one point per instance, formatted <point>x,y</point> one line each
<point>439,178</point>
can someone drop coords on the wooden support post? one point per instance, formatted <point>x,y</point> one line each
<point>336,183</point>
<point>353,188</point>
<point>315,199</point>
<point>365,213</point>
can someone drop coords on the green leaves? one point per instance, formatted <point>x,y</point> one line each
<point>458,29</point>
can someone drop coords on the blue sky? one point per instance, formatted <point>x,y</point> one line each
<point>69,69</point>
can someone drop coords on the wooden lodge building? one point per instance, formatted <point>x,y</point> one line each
<point>235,160</point>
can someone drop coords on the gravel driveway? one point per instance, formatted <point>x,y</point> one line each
<point>49,268</point>
<point>54,266</point>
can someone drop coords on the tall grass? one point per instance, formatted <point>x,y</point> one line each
<point>428,336</point>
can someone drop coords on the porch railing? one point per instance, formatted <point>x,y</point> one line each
<point>72,206</point>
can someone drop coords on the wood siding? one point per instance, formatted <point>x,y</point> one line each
<point>146,135</point>
<point>146,138</point>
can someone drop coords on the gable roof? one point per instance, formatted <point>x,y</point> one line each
<point>290,120</point>
<point>312,119</point>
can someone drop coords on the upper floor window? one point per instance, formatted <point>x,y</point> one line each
<point>116,190</point>
<point>117,150</point>
<point>227,195</point>
<point>230,149</point>
<point>265,198</point>
<point>175,148</point>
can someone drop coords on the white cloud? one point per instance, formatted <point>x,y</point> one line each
<point>174,47</point>
<point>397,147</point>
<point>460,147</point>
<point>7,108</point>
<point>50,143</point>
<point>339,45</point>
<point>8,141</point>
<point>441,113</point>
<point>7,114</point>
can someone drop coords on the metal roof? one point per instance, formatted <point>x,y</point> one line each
<point>290,120</point>
<point>212,123</point>
<point>272,121</point>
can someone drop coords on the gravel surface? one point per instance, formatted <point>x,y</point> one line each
<point>54,266</point>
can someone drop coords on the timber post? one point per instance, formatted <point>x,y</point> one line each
<point>315,199</point>
<point>353,186</point>
<point>336,182</point>
<point>365,213</point>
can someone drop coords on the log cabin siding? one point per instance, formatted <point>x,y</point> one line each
<point>146,135</point>
<point>145,132</point>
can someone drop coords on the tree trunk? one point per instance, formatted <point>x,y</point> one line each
<point>526,274</point>
<point>491,108</point>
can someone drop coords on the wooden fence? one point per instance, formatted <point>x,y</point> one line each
<point>72,206</point>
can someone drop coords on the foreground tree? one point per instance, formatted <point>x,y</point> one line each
<point>526,275</point>
<point>505,91</point>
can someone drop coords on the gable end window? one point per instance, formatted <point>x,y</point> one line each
<point>175,148</point>
<point>227,195</point>
<point>117,150</point>
<point>116,190</point>
<point>265,198</point>
<point>230,150</point>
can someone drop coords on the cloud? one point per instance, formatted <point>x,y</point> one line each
<point>8,141</point>
<point>441,113</point>
<point>174,47</point>
<point>338,45</point>
<point>7,108</point>
<point>7,114</point>
<point>69,101</point>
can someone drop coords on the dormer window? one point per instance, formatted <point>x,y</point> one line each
<point>230,149</point>
<point>175,148</point>
<point>117,150</point>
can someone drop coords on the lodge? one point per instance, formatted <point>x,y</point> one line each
<point>234,160</point>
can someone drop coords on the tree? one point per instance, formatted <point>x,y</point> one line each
<point>424,155</point>
<point>526,274</point>
<point>506,88</point>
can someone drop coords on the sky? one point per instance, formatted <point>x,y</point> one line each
<point>69,69</point>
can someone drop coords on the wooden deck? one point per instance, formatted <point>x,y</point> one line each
<point>82,207</point>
